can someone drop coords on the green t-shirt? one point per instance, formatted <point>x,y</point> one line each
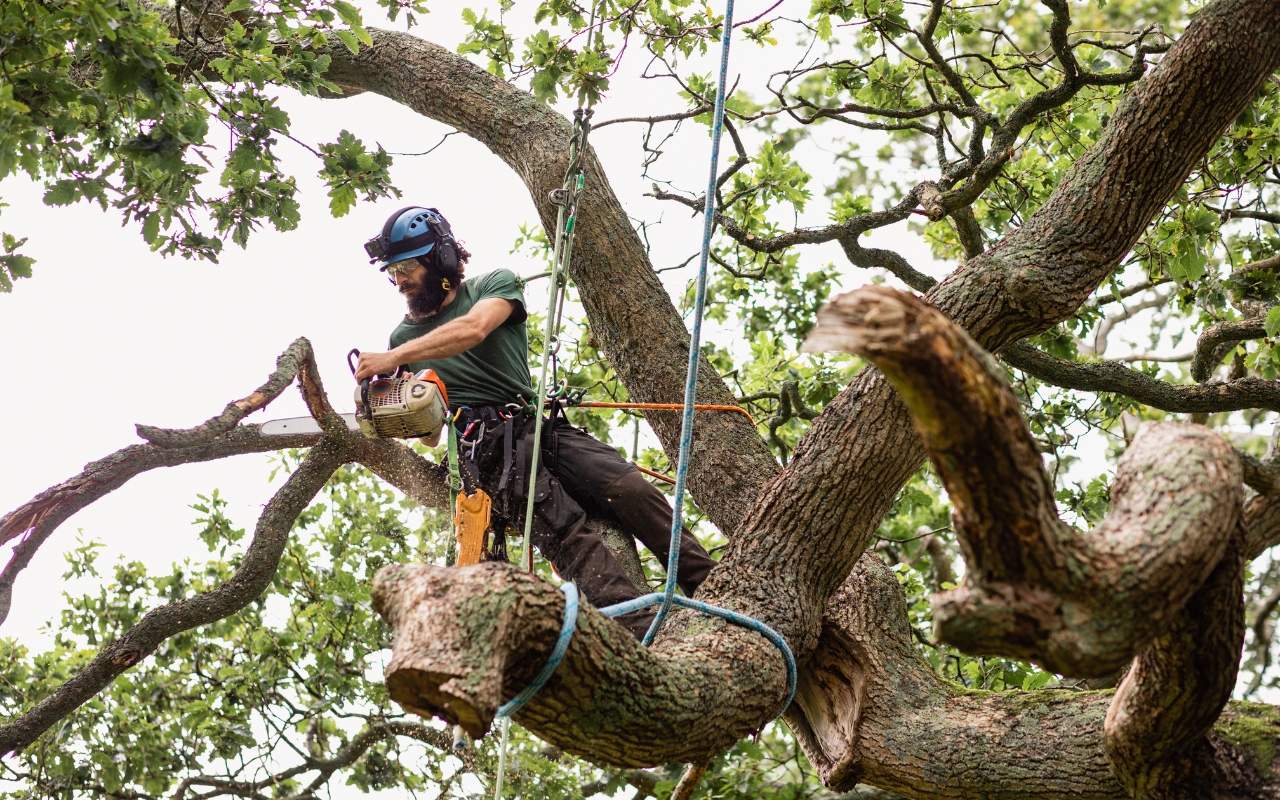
<point>496,371</point>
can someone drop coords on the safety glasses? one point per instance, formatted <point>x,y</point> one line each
<point>400,267</point>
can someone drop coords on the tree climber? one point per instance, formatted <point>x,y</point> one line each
<point>472,333</point>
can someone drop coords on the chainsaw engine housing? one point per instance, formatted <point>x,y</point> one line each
<point>403,407</point>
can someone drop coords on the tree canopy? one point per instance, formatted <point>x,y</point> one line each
<point>964,574</point>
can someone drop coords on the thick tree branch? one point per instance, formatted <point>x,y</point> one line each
<point>865,258</point>
<point>1244,213</point>
<point>467,639</point>
<point>251,578</point>
<point>1112,376</point>
<point>1262,525</point>
<point>1217,340</point>
<point>871,709</point>
<point>1176,689</point>
<point>1038,589</point>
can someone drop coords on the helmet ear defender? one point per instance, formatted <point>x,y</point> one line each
<point>446,249</point>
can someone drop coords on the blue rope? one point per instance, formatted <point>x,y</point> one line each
<point>695,341</point>
<point>557,653</point>
<point>668,597</point>
<point>750,623</point>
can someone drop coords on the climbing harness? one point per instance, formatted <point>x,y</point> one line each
<point>567,198</point>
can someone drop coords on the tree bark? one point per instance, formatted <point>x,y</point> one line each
<point>469,638</point>
<point>1078,603</point>
<point>871,709</point>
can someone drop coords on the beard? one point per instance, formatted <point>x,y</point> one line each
<point>427,298</point>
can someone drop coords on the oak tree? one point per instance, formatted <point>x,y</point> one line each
<point>1077,167</point>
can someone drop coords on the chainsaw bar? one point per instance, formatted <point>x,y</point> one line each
<point>297,425</point>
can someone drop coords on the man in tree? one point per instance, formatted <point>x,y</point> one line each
<point>472,334</point>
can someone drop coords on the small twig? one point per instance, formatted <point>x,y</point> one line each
<point>917,536</point>
<point>434,146</point>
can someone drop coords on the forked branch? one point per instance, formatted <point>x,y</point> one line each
<point>1036,588</point>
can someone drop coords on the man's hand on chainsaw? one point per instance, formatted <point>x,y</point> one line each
<point>371,364</point>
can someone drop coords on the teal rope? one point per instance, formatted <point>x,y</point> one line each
<point>618,609</point>
<point>557,654</point>
<point>668,597</point>
<point>695,340</point>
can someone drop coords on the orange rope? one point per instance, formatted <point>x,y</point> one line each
<point>657,475</point>
<point>665,407</point>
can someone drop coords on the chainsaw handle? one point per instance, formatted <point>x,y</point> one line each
<point>364,384</point>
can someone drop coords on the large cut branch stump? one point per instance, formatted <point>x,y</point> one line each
<point>469,638</point>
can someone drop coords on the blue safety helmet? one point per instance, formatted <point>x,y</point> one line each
<point>411,233</point>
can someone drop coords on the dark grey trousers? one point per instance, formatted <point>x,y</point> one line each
<point>578,476</point>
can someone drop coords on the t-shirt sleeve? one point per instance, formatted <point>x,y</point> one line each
<point>504,283</point>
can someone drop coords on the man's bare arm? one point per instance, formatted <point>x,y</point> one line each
<point>451,339</point>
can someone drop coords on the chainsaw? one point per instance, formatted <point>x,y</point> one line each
<point>402,406</point>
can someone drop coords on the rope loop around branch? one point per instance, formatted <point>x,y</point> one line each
<point>567,628</point>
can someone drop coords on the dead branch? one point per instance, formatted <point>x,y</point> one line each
<point>297,359</point>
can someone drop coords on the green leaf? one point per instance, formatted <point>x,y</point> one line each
<point>1273,322</point>
<point>349,39</point>
<point>151,227</point>
<point>349,13</point>
<point>62,193</point>
<point>237,5</point>
<point>1036,680</point>
<point>824,27</point>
